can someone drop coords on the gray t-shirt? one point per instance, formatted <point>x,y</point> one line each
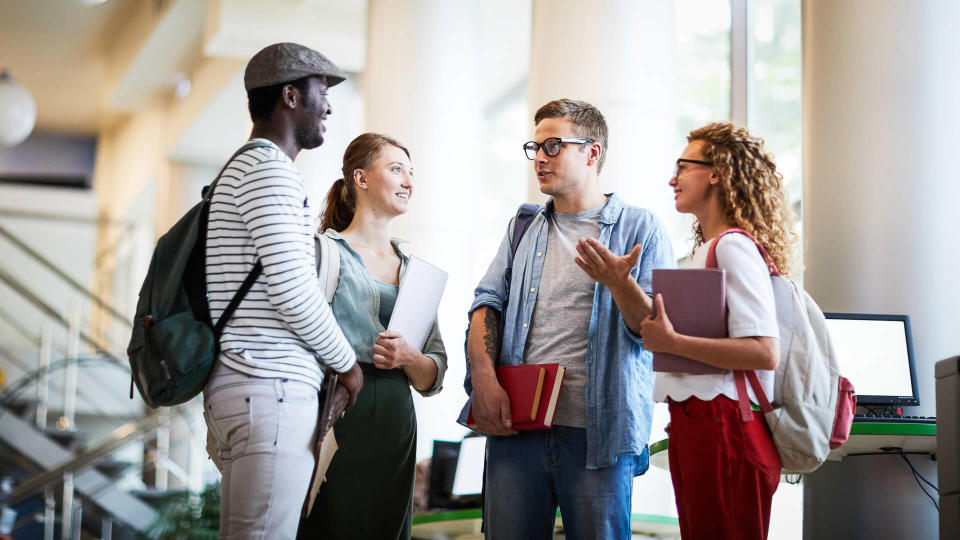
<point>561,316</point>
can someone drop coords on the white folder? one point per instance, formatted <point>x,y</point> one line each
<point>417,301</point>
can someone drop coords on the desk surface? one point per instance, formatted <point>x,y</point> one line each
<point>870,437</point>
<point>865,438</point>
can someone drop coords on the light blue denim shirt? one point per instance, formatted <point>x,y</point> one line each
<point>619,371</point>
<point>356,306</point>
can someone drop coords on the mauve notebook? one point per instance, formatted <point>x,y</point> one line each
<point>695,301</point>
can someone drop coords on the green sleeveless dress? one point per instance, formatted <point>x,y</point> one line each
<point>369,489</point>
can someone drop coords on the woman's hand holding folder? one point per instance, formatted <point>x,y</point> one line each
<point>658,333</point>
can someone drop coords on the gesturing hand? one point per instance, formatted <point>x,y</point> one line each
<point>602,265</point>
<point>390,351</point>
<point>657,332</point>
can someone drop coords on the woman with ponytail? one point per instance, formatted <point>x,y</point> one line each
<point>369,487</point>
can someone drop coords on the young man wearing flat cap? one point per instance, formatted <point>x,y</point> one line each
<point>260,402</point>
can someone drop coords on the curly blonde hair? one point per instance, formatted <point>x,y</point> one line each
<point>751,189</point>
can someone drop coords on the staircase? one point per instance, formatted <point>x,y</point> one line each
<point>86,460</point>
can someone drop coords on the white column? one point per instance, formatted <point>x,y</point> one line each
<point>422,87</point>
<point>880,130</point>
<point>618,56</point>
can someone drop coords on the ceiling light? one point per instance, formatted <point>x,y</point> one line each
<point>18,111</point>
<point>181,85</point>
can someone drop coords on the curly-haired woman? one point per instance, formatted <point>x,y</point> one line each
<point>724,467</point>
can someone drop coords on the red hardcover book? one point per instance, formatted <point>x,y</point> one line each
<point>696,303</point>
<point>533,390</point>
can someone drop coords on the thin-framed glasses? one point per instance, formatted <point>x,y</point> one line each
<point>676,170</point>
<point>551,145</point>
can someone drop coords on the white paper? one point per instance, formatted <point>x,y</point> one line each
<point>417,301</point>
<point>324,454</point>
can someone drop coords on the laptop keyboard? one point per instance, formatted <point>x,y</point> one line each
<point>897,419</point>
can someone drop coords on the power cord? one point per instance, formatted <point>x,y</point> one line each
<point>917,476</point>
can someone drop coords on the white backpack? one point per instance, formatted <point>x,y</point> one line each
<point>328,264</point>
<point>813,404</point>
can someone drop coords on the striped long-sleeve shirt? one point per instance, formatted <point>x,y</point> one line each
<point>283,326</point>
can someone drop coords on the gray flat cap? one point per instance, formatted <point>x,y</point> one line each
<point>285,62</point>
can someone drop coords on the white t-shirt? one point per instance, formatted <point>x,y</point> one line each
<point>751,312</point>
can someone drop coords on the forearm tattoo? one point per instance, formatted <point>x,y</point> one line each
<point>491,337</point>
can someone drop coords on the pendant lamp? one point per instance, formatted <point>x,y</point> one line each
<point>18,111</point>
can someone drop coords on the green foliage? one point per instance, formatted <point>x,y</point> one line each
<point>184,515</point>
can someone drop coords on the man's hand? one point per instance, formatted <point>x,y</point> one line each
<point>341,398</point>
<point>658,333</point>
<point>490,403</point>
<point>602,265</point>
<point>613,272</point>
<point>491,407</point>
<point>353,381</point>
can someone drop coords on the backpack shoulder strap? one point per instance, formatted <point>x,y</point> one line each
<point>522,222</point>
<point>740,377</point>
<point>712,250</point>
<point>250,145</point>
<point>328,264</point>
<point>235,301</point>
<point>257,268</point>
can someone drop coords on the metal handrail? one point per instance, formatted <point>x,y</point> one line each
<point>45,216</point>
<point>99,347</point>
<point>22,289</point>
<point>64,276</point>
<point>119,438</point>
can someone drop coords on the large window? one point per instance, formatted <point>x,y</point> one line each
<point>776,91</point>
<point>702,73</point>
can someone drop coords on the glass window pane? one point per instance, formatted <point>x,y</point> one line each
<point>776,94</point>
<point>702,31</point>
<point>701,85</point>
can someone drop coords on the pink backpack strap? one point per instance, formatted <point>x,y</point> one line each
<point>742,401</point>
<point>739,376</point>
<point>712,250</point>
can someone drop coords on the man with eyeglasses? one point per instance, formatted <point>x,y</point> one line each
<point>574,293</point>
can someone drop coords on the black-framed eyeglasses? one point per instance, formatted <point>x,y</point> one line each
<point>676,169</point>
<point>551,145</point>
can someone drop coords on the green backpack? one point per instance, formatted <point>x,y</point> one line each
<point>174,342</point>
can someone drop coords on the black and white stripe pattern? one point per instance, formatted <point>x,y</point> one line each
<point>283,325</point>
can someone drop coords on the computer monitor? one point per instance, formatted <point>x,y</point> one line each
<point>876,353</point>
<point>468,479</point>
<point>456,474</point>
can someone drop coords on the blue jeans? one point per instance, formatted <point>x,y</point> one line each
<point>530,474</point>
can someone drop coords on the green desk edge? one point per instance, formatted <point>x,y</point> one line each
<point>659,446</point>
<point>858,428</point>
<point>476,513</point>
<point>892,428</point>
<point>452,515</point>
